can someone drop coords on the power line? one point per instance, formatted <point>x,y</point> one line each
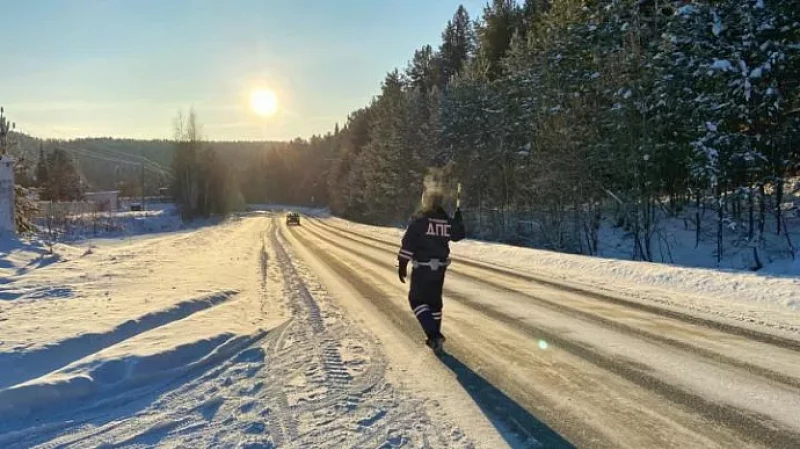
<point>136,156</point>
<point>150,163</point>
<point>153,165</point>
<point>83,152</point>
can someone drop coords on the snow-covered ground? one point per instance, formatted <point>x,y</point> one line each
<point>249,334</point>
<point>674,238</point>
<point>214,337</point>
<point>72,228</point>
<point>112,316</point>
<point>675,243</point>
<point>741,295</point>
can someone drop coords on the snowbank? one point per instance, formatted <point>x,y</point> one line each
<point>110,320</point>
<point>117,369</point>
<point>614,274</point>
<point>672,284</point>
<point>55,354</point>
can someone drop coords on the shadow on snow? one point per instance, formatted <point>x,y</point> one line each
<point>515,424</point>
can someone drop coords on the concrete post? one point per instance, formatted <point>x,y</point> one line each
<point>7,222</point>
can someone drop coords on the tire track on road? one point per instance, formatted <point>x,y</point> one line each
<point>321,389</point>
<point>751,426</point>
<point>596,316</point>
<point>752,334</point>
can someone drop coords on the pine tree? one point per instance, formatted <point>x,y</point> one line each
<point>42,178</point>
<point>384,160</point>
<point>63,181</point>
<point>530,12</point>
<point>501,20</point>
<point>345,152</point>
<point>458,45</point>
<point>424,70</point>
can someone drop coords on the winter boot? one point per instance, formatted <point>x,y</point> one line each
<point>436,344</point>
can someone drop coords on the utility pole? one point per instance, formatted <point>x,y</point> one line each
<point>141,164</point>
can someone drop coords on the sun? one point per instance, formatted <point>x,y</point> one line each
<point>264,102</point>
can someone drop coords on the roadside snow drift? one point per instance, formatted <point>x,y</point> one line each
<point>33,363</point>
<point>125,367</point>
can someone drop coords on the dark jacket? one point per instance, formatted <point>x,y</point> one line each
<point>428,236</point>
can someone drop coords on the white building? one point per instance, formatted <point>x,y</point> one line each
<point>7,195</point>
<point>106,201</point>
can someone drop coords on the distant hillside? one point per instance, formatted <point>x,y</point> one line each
<point>108,163</point>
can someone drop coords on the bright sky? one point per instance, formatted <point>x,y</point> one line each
<point>123,68</point>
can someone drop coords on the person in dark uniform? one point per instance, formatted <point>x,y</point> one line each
<point>426,245</point>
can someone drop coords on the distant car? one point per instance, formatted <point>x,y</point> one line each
<point>293,218</point>
<point>136,207</point>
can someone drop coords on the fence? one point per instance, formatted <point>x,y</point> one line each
<point>59,221</point>
<point>66,209</point>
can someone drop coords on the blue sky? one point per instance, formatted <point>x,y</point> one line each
<point>124,68</point>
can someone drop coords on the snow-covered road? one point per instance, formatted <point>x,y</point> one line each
<point>600,370</point>
<point>252,334</point>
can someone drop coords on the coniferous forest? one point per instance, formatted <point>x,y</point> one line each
<point>576,112</point>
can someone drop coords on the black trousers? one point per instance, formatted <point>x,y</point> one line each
<point>425,298</point>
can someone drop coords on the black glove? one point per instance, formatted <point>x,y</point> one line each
<point>402,270</point>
